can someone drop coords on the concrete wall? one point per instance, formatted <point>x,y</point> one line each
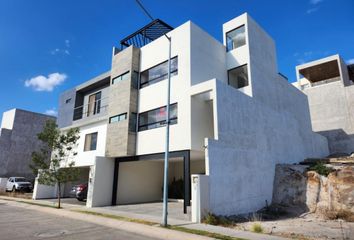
<point>252,138</point>
<point>100,184</point>
<point>66,108</point>
<point>87,158</point>
<point>17,144</point>
<point>332,114</point>
<point>123,99</point>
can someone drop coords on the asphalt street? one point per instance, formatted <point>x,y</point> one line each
<point>21,223</point>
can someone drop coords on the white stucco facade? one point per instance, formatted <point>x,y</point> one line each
<point>234,136</point>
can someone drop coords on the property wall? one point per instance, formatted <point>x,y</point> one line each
<point>252,139</point>
<point>332,115</point>
<point>17,144</point>
<point>100,183</point>
<point>140,181</point>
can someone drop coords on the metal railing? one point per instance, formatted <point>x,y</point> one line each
<point>96,108</point>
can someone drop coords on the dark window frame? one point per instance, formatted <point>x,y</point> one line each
<point>144,127</point>
<point>91,147</point>
<point>159,78</point>
<point>119,120</point>
<point>228,76</point>
<point>227,49</point>
<point>119,76</point>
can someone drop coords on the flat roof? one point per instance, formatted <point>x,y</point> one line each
<point>322,71</point>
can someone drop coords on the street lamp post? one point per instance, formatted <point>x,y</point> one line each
<point>167,151</point>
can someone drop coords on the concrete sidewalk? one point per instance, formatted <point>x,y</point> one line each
<point>68,210</point>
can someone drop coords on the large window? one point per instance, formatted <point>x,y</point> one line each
<point>94,104</point>
<point>238,77</point>
<point>118,118</point>
<point>120,78</point>
<point>90,142</point>
<point>157,118</point>
<point>235,38</point>
<point>158,73</point>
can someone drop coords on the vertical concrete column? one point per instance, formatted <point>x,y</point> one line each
<point>200,197</point>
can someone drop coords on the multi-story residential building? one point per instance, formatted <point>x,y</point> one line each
<point>328,83</point>
<point>18,139</point>
<point>233,118</point>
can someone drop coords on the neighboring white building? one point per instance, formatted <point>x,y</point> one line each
<point>233,118</point>
<point>328,83</point>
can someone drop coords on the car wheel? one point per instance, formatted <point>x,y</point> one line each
<point>13,189</point>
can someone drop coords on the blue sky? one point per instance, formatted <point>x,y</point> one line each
<point>47,47</point>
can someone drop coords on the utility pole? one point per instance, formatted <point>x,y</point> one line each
<point>167,151</point>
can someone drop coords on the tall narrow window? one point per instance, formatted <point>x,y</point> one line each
<point>94,104</point>
<point>157,118</point>
<point>90,142</point>
<point>158,73</point>
<point>235,38</point>
<point>238,77</point>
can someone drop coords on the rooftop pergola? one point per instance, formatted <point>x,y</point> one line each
<point>146,34</point>
<point>321,71</point>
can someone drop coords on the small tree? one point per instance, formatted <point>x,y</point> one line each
<point>60,147</point>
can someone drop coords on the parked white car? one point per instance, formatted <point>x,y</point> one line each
<point>18,184</point>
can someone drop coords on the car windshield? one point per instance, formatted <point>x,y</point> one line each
<point>20,180</point>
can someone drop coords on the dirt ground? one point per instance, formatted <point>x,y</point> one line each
<point>309,226</point>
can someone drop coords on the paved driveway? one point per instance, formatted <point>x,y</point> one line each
<point>20,223</point>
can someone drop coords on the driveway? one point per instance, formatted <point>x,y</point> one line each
<point>21,223</point>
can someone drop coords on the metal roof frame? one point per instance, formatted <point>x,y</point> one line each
<point>146,34</point>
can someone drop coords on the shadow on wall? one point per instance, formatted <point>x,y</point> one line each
<point>339,141</point>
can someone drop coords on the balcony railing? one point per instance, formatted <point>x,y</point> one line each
<point>96,108</point>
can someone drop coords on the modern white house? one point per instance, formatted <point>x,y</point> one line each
<point>329,85</point>
<point>233,118</point>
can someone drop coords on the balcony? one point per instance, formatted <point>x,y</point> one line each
<point>91,110</point>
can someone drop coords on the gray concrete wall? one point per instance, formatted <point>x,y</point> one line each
<point>66,109</point>
<point>252,138</point>
<point>332,114</point>
<point>123,99</point>
<point>17,145</point>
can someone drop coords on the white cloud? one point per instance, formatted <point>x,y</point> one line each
<point>42,83</point>
<point>314,2</point>
<point>51,112</point>
<point>63,51</point>
<point>350,61</point>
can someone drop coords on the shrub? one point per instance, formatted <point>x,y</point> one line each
<point>257,228</point>
<point>321,169</point>
<point>213,219</point>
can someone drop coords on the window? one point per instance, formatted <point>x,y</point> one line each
<point>94,105</point>
<point>90,142</point>
<point>120,78</point>
<point>235,38</point>
<point>68,100</point>
<point>157,118</point>
<point>238,77</point>
<point>118,118</point>
<point>158,73</point>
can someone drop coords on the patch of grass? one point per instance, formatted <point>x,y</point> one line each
<point>203,233</point>
<point>257,228</point>
<point>213,219</point>
<point>321,169</point>
<point>116,217</point>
